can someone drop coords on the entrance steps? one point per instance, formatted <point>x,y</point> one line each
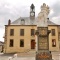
<point>27,53</point>
<point>32,51</point>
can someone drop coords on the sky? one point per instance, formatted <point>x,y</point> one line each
<point>13,9</point>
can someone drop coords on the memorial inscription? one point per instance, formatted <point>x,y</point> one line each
<point>42,38</point>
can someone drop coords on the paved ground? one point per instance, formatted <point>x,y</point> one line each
<point>28,56</point>
<point>56,55</point>
<point>21,56</point>
<point>18,58</point>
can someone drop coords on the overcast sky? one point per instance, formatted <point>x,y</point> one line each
<point>13,9</point>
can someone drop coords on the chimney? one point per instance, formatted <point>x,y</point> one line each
<point>9,22</point>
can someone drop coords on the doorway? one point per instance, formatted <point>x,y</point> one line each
<point>32,44</point>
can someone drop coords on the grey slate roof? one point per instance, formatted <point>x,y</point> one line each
<point>28,21</point>
<point>50,22</point>
<point>18,21</point>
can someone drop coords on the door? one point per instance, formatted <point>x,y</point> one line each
<point>32,44</point>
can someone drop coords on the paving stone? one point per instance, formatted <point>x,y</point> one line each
<point>55,56</point>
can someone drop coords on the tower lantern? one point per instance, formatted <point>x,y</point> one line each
<point>32,11</point>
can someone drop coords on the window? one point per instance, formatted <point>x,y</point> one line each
<point>22,21</point>
<point>11,32</point>
<point>32,32</point>
<point>22,43</point>
<point>53,32</point>
<point>22,32</point>
<point>53,43</point>
<point>11,43</point>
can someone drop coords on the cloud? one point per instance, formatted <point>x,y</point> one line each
<point>56,9</point>
<point>8,10</point>
<point>55,12</point>
<point>56,19</point>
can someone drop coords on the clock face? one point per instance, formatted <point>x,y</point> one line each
<point>32,14</point>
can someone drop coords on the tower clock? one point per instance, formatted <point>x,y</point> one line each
<point>32,11</point>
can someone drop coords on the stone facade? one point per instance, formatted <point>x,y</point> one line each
<point>16,38</point>
<point>52,48</point>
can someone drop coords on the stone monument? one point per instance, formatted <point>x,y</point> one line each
<point>43,15</point>
<point>42,33</point>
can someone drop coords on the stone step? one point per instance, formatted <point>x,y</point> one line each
<point>27,53</point>
<point>32,51</point>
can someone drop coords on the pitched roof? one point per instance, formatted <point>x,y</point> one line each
<point>28,21</point>
<point>50,22</point>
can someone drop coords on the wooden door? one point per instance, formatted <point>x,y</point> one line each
<point>32,44</point>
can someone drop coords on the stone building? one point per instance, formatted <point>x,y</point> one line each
<point>20,34</point>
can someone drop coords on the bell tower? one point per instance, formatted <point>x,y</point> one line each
<point>32,11</point>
